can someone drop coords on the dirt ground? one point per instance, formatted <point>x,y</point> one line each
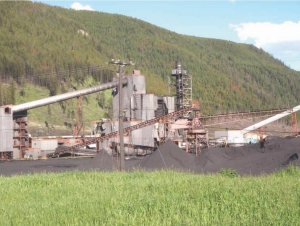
<point>251,159</point>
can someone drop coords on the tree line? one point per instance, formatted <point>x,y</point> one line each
<point>39,42</point>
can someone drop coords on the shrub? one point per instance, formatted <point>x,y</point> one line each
<point>229,173</point>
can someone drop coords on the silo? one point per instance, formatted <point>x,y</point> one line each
<point>139,83</point>
<point>148,137</point>
<point>107,127</point>
<point>169,101</point>
<point>139,108</point>
<point>148,106</point>
<point>135,86</point>
<point>136,135</point>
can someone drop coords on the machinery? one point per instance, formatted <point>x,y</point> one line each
<point>236,138</point>
<point>126,130</point>
<point>271,119</point>
<point>138,107</point>
<point>187,131</point>
<point>148,120</point>
<point>180,86</point>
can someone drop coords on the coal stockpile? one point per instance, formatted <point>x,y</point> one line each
<point>276,153</point>
<point>102,161</point>
<point>168,156</point>
<point>253,159</point>
<point>57,165</point>
<point>105,162</point>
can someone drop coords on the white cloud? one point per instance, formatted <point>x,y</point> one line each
<point>265,33</point>
<point>281,40</point>
<point>78,6</point>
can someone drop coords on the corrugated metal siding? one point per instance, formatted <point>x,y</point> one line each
<point>139,107</point>
<point>137,135</point>
<point>148,138</point>
<point>131,107</point>
<point>127,94</point>
<point>107,126</point>
<point>146,104</point>
<point>16,153</point>
<point>36,154</point>
<point>228,134</point>
<point>6,131</point>
<point>140,84</point>
<point>115,104</point>
<point>169,101</point>
<point>155,105</point>
<point>45,144</point>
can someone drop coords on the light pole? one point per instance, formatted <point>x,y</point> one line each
<point>121,65</point>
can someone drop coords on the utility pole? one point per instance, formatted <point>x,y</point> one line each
<point>122,154</point>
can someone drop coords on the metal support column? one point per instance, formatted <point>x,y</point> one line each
<point>121,134</point>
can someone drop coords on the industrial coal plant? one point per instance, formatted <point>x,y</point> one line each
<point>148,120</point>
<point>140,124</point>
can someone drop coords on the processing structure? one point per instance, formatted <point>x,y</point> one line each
<point>148,120</point>
<point>138,107</point>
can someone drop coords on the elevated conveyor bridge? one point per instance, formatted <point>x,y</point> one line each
<point>126,130</point>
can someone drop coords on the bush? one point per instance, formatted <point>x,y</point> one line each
<point>291,170</point>
<point>229,173</point>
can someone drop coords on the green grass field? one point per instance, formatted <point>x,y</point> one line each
<point>150,198</point>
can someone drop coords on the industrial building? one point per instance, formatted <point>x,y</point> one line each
<point>138,106</point>
<point>14,135</point>
<point>147,121</point>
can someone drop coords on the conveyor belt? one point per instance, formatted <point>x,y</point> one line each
<point>126,130</point>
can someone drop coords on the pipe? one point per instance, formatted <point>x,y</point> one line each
<point>269,120</point>
<point>65,96</point>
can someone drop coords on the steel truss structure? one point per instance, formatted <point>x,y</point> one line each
<point>125,130</point>
<point>209,120</point>
<point>180,85</point>
<point>196,136</point>
<point>294,125</point>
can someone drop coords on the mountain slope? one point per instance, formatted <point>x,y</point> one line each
<point>37,39</point>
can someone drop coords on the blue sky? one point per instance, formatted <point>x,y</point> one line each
<point>271,25</point>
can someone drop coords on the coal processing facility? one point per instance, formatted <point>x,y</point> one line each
<point>153,119</point>
<point>14,134</point>
<point>143,122</point>
<point>148,120</point>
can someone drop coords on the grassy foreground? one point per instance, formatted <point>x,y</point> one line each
<point>144,198</point>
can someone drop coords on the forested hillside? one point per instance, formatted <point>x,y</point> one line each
<point>58,48</point>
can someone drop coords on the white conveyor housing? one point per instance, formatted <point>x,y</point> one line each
<point>269,120</point>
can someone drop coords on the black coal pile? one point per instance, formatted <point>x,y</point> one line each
<point>276,154</point>
<point>168,156</point>
<point>102,161</point>
<point>293,159</point>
